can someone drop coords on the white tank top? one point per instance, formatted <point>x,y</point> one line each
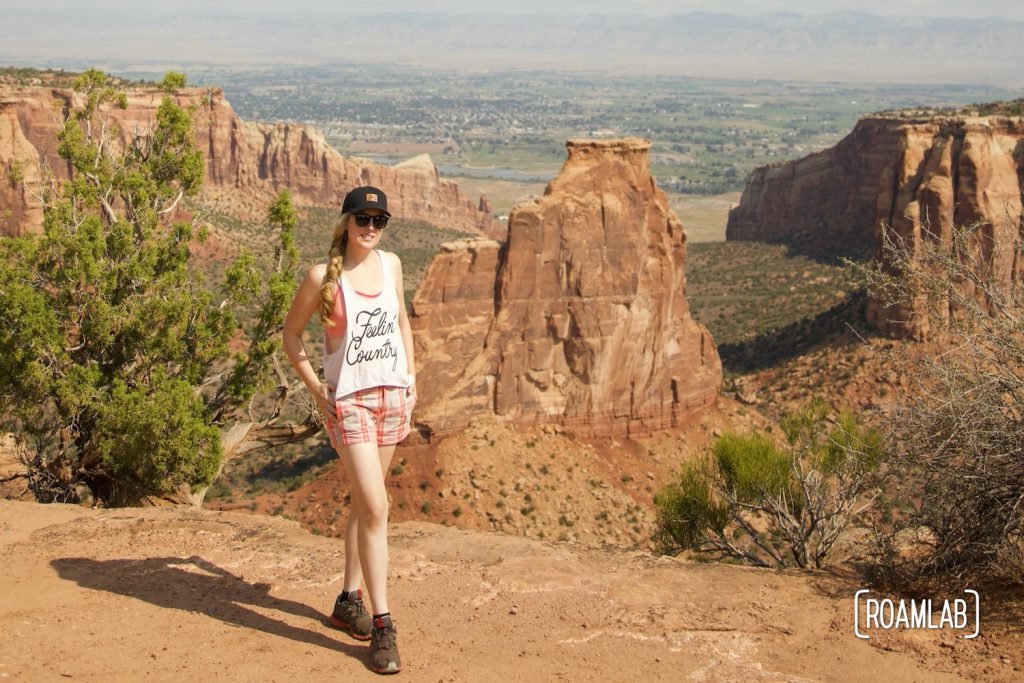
<point>372,353</point>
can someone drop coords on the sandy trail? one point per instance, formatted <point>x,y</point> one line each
<point>172,594</point>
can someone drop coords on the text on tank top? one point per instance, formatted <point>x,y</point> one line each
<point>372,353</point>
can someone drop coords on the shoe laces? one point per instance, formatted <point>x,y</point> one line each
<point>386,638</point>
<point>354,604</point>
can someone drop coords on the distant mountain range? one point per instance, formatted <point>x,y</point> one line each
<point>842,46</point>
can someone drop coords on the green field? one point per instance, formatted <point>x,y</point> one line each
<point>762,304</point>
<point>707,134</point>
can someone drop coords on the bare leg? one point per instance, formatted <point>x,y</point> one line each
<point>353,570</point>
<point>386,453</point>
<point>366,466</point>
<point>353,567</point>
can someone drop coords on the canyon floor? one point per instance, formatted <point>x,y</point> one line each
<point>186,594</point>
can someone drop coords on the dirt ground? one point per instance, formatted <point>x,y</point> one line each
<point>186,594</point>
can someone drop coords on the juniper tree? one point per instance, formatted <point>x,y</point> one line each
<point>115,368</point>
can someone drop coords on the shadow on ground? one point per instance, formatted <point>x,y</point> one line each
<point>853,244</point>
<point>194,585</point>
<point>844,319</point>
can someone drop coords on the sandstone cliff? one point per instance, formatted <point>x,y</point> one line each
<point>952,172</point>
<point>918,175</point>
<point>825,202</point>
<point>241,157</point>
<point>579,319</point>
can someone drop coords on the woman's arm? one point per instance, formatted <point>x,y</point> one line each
<point>305,304</point>
<point>404,328</point>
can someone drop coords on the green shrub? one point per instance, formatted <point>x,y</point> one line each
<point>751,466</point>
<point>115,366</point>
<point>133,442</point>
<point>687,510</point>
<point>769,505</point>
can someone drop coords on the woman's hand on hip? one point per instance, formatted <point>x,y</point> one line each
<point>324,397</point>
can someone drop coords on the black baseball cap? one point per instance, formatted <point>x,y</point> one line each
<point>366,197</point>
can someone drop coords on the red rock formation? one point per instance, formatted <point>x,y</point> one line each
<point>580,319</point>
<point>824,202</point>
<point>919,176</point>
<point>452,314</point>
<point>28,133</point>
<point>953,172</point>
<point>242,157</point>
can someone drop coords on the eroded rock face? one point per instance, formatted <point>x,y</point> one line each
<point>241,157</point>
<point>952,172</point>
<point>918,176</point>
<point>28,133</point>
<point>580,319</point>
<point>825,202</point>
<point>452,315</point>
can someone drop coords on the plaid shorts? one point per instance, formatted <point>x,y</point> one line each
<point>377,414</point>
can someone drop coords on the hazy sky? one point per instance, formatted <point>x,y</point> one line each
<point>935,42</point>
<point>1011,9</point>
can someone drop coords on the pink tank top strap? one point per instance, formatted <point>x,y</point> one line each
<point>337,314</point>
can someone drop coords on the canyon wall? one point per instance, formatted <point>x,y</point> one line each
<point>917,176</point>
<point>579,319</point>
<point>825,202</point>
<point>243,159</point>
<point>952,172</point>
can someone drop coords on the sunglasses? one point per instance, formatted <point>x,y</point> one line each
<point>363,219</point>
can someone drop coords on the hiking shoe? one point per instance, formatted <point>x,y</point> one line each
<point>350,615</point>
<point>384,657</point>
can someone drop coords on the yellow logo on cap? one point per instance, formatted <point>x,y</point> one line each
<point>371,197</point>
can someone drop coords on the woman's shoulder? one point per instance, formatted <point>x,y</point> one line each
<point>316,273</point>
<point>390,258</point>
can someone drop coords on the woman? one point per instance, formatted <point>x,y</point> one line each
<point>366,397</point>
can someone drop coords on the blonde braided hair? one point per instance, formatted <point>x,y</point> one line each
<point>339,240</point>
